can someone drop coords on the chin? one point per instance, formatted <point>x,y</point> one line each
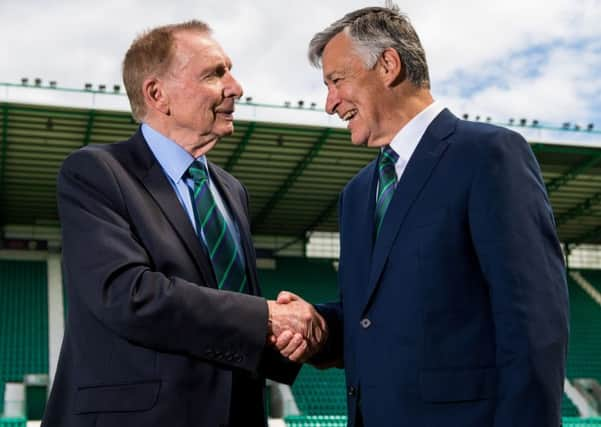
<point>355,140</point>
<point>224,130</point>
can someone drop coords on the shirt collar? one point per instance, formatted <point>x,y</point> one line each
<point>406,140</point>
<point>173,158</point>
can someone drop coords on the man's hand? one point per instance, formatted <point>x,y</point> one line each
<point>297,329</point>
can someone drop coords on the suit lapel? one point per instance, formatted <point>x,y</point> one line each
<point>421,165</point>
<point>153,178</point>
<point>223,182</point>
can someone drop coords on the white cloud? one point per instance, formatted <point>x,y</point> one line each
<point>484,41</point>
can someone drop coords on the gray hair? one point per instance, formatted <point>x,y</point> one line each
<point>372,30</point>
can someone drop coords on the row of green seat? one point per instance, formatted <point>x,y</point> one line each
<point>340,421</point>
<point>13,422</point>
<point>23,321</point>
<point>584,351</point>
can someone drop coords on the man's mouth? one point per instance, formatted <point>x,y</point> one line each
<point>227,114</point>
<point>349,115</point>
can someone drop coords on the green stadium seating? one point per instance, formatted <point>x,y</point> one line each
<point>313,279</point>
<point>316,392</point>
<point>23,321</point>
<point>316,421</point>
<point>584,350</point>
<point>340,421</point>
<point>320,392</point>
<point>581,422</point>
<point>594,277</point>
<point>13,422</point>
<point>568,409</point>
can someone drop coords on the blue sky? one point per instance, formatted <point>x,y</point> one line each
<point>517,58</point>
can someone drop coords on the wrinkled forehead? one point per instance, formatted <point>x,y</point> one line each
<point>199,45</point>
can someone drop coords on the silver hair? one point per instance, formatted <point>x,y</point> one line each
<point>372,30</point>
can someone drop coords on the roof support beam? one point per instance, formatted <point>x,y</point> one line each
<point>291,179</point>
<point>581,209</point>
<point>88,135</point>
<point>233,160</point>
<point>563,149</point>
<point>590,235</point>
<point>580,169</point>
<point>4,148</point>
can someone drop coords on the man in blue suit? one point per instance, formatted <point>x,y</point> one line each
<point>453,303</point>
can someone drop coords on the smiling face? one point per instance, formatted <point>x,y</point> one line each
<point>200,92</point>
<point>355,92</point>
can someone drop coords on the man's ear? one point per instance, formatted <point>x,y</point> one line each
<point>155,95</point>
<point>391,67</point>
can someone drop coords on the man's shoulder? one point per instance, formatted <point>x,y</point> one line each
<point>106,153</point>
<point>469,130</point>
<point>361,177</point>
<point>480,138</point>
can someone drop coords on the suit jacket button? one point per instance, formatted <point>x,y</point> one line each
<point>365,323</point>
<point>352,391</point>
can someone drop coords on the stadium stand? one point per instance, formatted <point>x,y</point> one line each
<point>594,277</point>
<point>13,422</point>
<point>316,392</point>
<point>320,392</point>
<point>584,352</point>
<point>23,322</point>
<point>313,279</point>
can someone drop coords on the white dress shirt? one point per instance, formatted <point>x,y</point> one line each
<point>406,140</point>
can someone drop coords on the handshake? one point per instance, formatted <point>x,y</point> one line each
<point>296,329</point>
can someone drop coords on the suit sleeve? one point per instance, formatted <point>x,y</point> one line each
<point>514,236</point>
<point>112,277</point>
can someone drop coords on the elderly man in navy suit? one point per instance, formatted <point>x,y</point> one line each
<point>166,324</point>
<point>453,305</point>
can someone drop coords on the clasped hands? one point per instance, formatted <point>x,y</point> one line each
<point>296,328</point>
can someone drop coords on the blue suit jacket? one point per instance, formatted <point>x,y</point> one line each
<point>457,314</point>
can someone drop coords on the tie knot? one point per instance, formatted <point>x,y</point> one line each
<point>388,156</point>
<point>198,172</point>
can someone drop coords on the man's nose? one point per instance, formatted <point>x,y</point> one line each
<point>232,88</point>
<point>332,101</point>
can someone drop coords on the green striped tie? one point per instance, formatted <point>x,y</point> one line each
<point>218,238</point>
<point>386,184</point>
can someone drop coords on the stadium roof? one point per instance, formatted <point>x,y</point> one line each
<point>293,172</point>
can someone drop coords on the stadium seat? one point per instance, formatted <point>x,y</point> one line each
<point>23,321</point>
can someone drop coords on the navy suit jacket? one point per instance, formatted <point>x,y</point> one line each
<point>457,314</point>
<point>149,339</point>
